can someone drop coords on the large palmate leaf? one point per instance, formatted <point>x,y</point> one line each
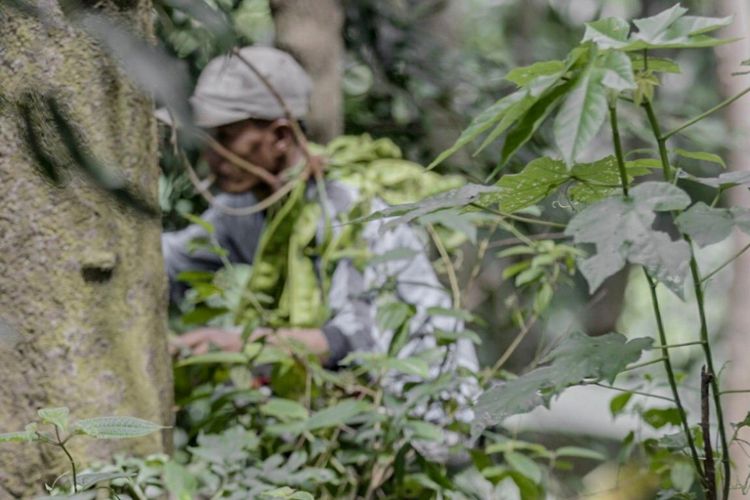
<point>621,230</point>
<point>577,358</point>
<point>526,75</point>
<point>581,115</point>
<point>590,182</point>
<point>618,71</point>
<point>707,225</point>
<point>670,29</point>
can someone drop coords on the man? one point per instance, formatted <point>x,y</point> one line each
<point>247,119</point>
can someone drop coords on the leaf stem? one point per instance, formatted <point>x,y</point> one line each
<point>519,218</point>
<point>723,104</point>
<point>734,257</point>
<point>618,147</point>
<point>61,444</point>
<point>639,393</point>
<point>698,287</point>
<point>452,278</point>
<point>642,365</point>
<point>671,377</point>
<point>660,141</point>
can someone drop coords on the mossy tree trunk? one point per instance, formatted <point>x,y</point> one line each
<point>310,30</point>
<point>82,288</point>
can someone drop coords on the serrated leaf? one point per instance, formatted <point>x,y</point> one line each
<point>581,115</point>
<point>116,427</point>
<point>701,156</point>
<point>618,71</point>
<point>543,176</point>
<point>578,357</point>
<point>707,225</point>
<point>524,465</point>
<point>59,417</point>
<point>284,409</point>
<point>337,415</point>
<point>478,125</point>
<point>621,229</point>
<point>607,33</point>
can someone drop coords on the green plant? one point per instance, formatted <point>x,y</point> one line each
<point>56,429</point>
<point>614,65</point>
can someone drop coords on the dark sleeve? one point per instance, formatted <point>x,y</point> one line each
<point>338,345</point>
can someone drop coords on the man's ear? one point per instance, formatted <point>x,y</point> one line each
<point>281,134</point>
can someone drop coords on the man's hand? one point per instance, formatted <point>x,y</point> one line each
<point>199,341</point>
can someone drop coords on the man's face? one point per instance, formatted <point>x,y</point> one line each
<point>255,142</point>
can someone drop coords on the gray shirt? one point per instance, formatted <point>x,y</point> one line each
<point>352,326</point>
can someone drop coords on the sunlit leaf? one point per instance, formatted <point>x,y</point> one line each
<point>618,71</point>
<point>723,181</point>
<point>525,75</point>
<point>58,417</point>
<point>581,116</point>
<point>336,415</point>
<point>608,33</point>
<point>524,465</point>
<point>701,156</point>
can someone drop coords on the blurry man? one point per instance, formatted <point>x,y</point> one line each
<point>245,116</point>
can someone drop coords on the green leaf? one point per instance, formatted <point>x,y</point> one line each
<point>424,430</point>
<point>287,493</point>
<point>660,417</point>
<point>525,75</point>
<point>212,358</point>
<point>527,126</point>
<point>682,475</point>
<point>723,181</point>
<point>337,415</point>
<point>18,437</point>
<point>408,366</point>
<point>116,427</point>
<point>406,213</point>
<point>524,465</point>
<point>618,71</point>
<point>59,417</point>
<point>444,337</point>
<point>284,409</point>
<point>656,64</point>
<point>607,33</point>
<point>543,176</point>
<point>578,357</point>
<point>652,28</point>
<point>179,481</point>
<point>621,229</point>
<point>401,253</point>
<point>576,452</point>
<point>480,124</point>
<point>392,315</point>
<point>207,226</point>
<point>86,481</point>
<point>707,225</point>
<point>701,156</point>
<point>619,402</point>
<point>581,116</point>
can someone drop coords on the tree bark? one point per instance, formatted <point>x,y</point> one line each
<point>82,293</point>
<point>738,119</point>
<point>310,30</point>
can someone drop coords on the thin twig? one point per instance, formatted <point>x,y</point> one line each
<point>452,278</point>
<point>510,350</point>
<point>644,364</point>
<point>639,393</point>
<point>534,237</point>
<point>725,264</point>
<point>519,218</point>
<point>721,105</point>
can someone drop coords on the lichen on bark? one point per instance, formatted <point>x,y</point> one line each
<point>82,288</point>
